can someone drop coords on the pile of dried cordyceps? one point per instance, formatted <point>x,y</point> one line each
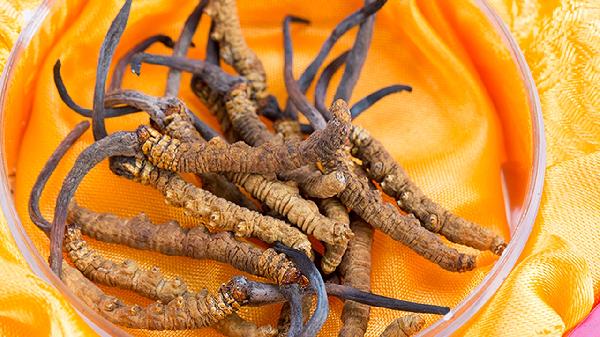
<point>320,185</point>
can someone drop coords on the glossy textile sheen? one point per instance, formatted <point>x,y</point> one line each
<point>465,122</point>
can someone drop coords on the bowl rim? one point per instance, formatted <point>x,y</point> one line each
<point>445,326</point>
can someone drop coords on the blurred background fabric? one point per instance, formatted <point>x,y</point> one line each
<point>556,282</point>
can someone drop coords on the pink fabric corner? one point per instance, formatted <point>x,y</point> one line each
<point>590,326</point>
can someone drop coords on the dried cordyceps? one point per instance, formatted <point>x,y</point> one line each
<point>356,272</point>
<point>291,316</point>
<point>232,45</point>
<point>181,127</point>
<point>356,58</point>
<point>182,45</point>
<point>294,90</point>
<point>149,283</point>
<point>123,63</point>
<point>283,198</point>
<point>315,184</point>
<point>278,169</point>
<point>404,326</point>
<point>323,82</point>
<point>367,202</point>
<point>308,268</point>
<point>219,156</point>
<point>190,311</point>
<point>152,284</point>
<point>214,213</point>
<point>299,211</point>
<point>309,73</point>
<point>395,182</point>
<point>253,293</point>
<point>358,107</point>
<point>171,239</point>
<point>274,194</point>
<point>258,293</point>
<point>127,275</point>
<point>241,110</point>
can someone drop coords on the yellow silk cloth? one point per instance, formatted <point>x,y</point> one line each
<point>465,122</point>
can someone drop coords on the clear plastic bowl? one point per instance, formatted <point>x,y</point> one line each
<point>521,216</point>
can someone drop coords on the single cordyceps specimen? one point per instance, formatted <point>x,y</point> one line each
<point>356,272</point>
<point>218,156</point>
<point>197,242</point>
<point>215,213</point>
<point>241,110</point>
<point>404,326</point>
<point>189,311</point>
<point>232,45</point>
<point>182,45</point>
<point>336,211</point>
<point>366,201</point>
<point>381,167</point>
<point>127,275</point>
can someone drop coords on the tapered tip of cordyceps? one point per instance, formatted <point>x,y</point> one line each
<point>297,19</point>
<point>339,110</point>
<point>136,63</point>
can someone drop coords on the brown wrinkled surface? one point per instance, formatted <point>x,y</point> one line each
<point>235,326</point>
<point>178,125</point>
<point>127,275</point>
<point>151,284</point>
<point>335,210</point>
<point>404,326</point>
<point>218,156</point>
<point>215,103</point>
<point>315,184</point>
<point>366,201</point>
<point>216,213</point>
<point>285,200</point>
<point>381,167</point>
<point>171,239</point>
<point>279,197</point>
<point>356,272</point>
<point>288,129</point>
<point>241,110</point>
<point>192,310</point>
<point>233,48</point>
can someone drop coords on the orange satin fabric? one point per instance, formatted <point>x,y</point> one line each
<point>465,121</point>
